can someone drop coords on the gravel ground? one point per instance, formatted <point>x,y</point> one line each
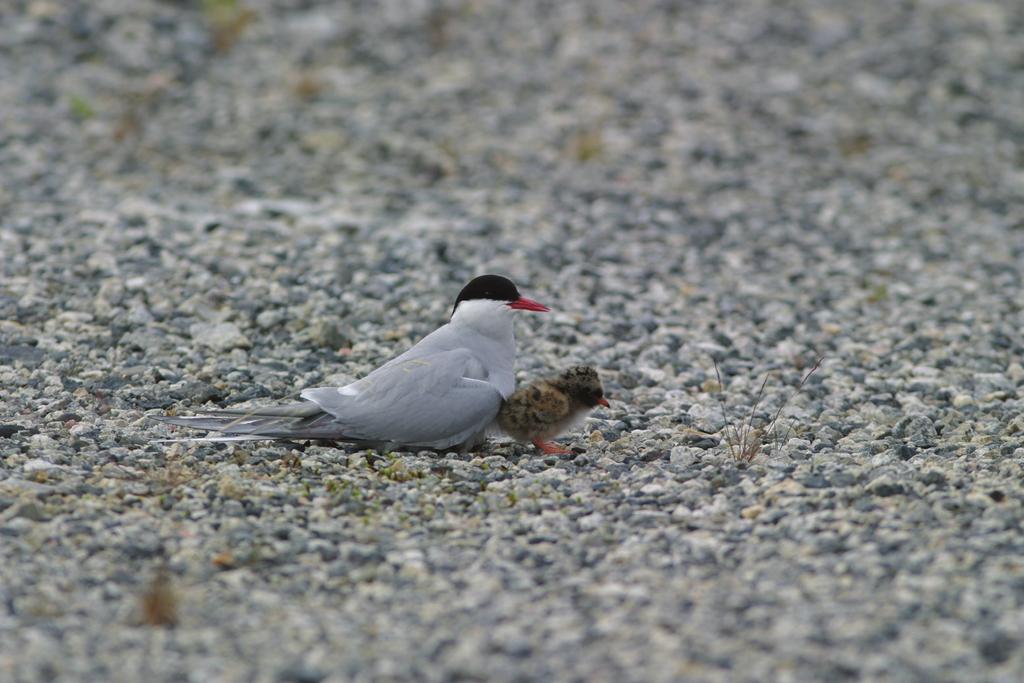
<point>209,203</point>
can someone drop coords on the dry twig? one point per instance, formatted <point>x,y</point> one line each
<point>745,440</point>
<point>159,602</point>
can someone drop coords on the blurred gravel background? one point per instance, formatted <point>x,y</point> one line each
<point>203,203</point>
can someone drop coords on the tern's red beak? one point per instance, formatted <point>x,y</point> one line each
<point>524,304</point>
<point>603,402</point>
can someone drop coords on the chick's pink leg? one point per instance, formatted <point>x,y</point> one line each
<point>550,447</point>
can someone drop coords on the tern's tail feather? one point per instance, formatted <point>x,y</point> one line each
<point>212,439</point>
<point>298,421</point>
<point>304,409</point>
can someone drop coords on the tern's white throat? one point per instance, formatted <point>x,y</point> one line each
<point>488,317</point>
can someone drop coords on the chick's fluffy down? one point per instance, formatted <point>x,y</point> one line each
<point>538,411</point>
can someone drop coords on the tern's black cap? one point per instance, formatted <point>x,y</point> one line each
<point>491,287</point>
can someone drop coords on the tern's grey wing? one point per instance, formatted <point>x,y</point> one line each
<point>435,400</point>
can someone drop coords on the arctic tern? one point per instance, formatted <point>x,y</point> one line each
<point>442,393</point>
<point>543,409</point>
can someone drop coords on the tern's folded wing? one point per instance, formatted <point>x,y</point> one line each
<point>436,401</point>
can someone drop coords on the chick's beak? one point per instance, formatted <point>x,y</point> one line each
<point>603,402</point>
<point>524,304</point>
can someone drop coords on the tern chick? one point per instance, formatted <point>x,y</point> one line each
<point>548,407</point>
